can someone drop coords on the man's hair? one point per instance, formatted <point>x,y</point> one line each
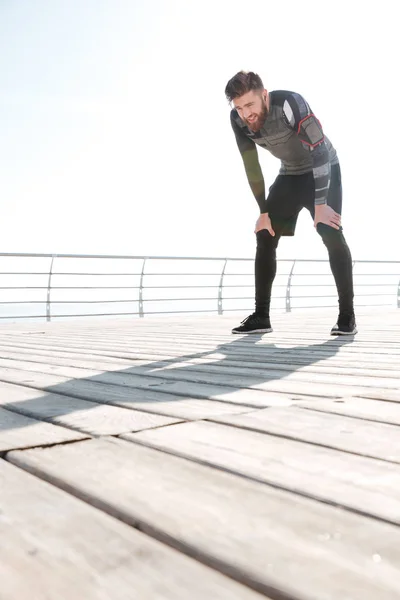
<point>241,83</point>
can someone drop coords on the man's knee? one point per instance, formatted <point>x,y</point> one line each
<point>330,236</point>
<point>266,240</point>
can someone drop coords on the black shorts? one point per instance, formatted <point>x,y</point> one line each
<point>289,194</point>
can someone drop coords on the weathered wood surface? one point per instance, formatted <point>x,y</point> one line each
<point>92,384</point>
<point>19,431</point>
<point>56,547</point>
<point>362,408</point>
<point>273,459</point>
<point>88,417</point>
<point>376,440</point>
<point>138,400</point>
<point>359,483</point>
<point>268,538</point>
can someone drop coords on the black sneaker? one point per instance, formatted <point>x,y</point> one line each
<point>346,325</point>
<point>254,324</point>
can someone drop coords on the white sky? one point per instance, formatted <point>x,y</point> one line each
<point>97,99</point>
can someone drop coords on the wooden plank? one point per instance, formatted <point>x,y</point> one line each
<point>74,413</point>
<point>140,402</point>
<point>208,384</point>
<point>56,546</point>
<point>358,483</point>
<point>232,344</point>
<point>270,539</point>
<point>100,387</point>
<point>306,362</point>
<point>18,431</point>
<point>376,440</point>
<point>218,361</point>
<point>361,408</point>
<point>245,376</point>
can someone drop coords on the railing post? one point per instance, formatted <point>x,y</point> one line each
<point>141,310</point>
<point>288,304</point>
<point>220,288</point>
<point>48,299</point>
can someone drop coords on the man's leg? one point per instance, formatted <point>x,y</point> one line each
<point>265,270</point>
<point>283,209</point>
<point>340,259</point>
<point>284,205</point>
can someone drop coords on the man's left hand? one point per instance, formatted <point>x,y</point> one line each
<point>326,214</point>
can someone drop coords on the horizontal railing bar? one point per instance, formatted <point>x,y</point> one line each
<point>196,258</point>
<point>190,299</point>
<point>249,308</point>
<point>23,273</point>
<point>72,301</point>
<point>336,306</point>
<point>116,256</point>
<point>171,287</point>
<point>332,284</point>
<point>23,317</point>
<point>132,300</point>
<point>178,312</point>
<point>171,312</point>
<point>335,295</point>
<point>200,287</point>
<point>109,314</point>
<point>122,287</point>
<point>62,273</point>
<point>71,316</point>
<point>207,274</point>
<point>316,274</point>
<point>70,287</point>
<point>65,273</point>
<point>182,274</point>
<point>98,274</point>
<point>198,299</point>
<point>354,274</point>
<point>198,274</point>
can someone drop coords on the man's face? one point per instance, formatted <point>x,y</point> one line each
<point>252,108</point>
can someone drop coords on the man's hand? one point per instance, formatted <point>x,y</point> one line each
<point>326,214</point>
<point>264,222</point>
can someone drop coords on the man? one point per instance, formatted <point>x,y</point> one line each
<point>282,122</point>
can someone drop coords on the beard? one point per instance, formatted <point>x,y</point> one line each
<point>260,120</point>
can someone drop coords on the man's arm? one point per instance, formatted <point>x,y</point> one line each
<point>299,116</point>
<point>248,151</point>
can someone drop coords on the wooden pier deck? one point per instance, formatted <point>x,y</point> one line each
<point>166,459</point>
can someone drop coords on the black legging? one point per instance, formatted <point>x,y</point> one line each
<point>339,259</point>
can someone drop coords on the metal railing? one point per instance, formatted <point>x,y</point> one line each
<point>369,286</point>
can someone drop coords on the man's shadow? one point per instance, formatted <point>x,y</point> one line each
<point>240,364</point>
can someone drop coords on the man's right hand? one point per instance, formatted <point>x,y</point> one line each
<point>264,222</point>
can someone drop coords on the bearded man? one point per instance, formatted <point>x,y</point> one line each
<point>283,123</point>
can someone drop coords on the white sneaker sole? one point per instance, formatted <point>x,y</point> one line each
<point>344,332</point>
<point>253,331</point>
